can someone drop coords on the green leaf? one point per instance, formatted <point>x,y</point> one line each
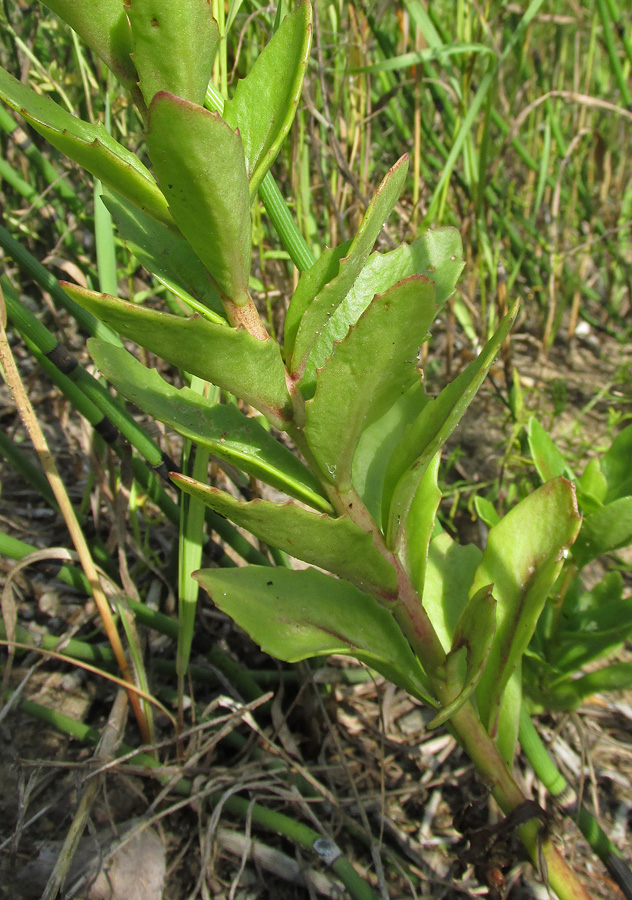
<point>316,318</point>
<point>297,615</point>
<point>373,365</point>
<point>471,644</point>
<point>486,511</point>
<point>592,487</point>
<point>589,635</point>
<point>436,254</point>
<point>232,359</point>
<point>376,446</point>
<point>414,58</point>
<point>311,283</point>
<point>420,524</point>
<point>425,437</point>
<point>201,169</point>
<point>265,102</point>
<point>615,677</point>
<point>174,46</point>
<point>238,439</point>
<point>103,26</point>
<point>337,545</point>
<point>450,571</point>
<point>509,716</point>
<point>549,461</point>
<point>163,253</point>
<point>89,145</point>
<point>523,557</point>
<point>569,694</point>
<point>604,530</point>
<point>616,466</point>
<point>608,590</point>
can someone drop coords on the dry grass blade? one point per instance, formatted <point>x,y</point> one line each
<point>14,383</point>
<point>273,860</point>
<point>110,741</point>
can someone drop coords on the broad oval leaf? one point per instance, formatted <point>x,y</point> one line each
<point>436,254</point>
<point>522,559</point>
<point>337,545</point>
<point>265,101</point>
<point>231,358</point>
<point>592,487</point>
<point>369,369</point>
<point>89,145</point>
<point>222,429</point>
<point>316,318</point>
<point>174,46</point>
<point>295,615</point>
<point>103,25</point>
<point>201,169</point>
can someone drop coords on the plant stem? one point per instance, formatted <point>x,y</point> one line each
<point>558,787</point>
<point>472,736</point>
<point>246,315</point>
<point>465,723</point>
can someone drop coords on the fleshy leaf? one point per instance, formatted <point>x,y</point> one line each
<point>295,615</point>
<point>223,429</point>
<point>420,525</point>
<point>432,254</point>
<point>232,359</point>
<point>311,283</point>
<point>316,318</point>
<point>377,443</point>
<point>373,365</point>
<point>606,529</point>
<point>337,545</point>
<point>549,460</point>
<point>201,169</point>
<point>617,468</point>
<point>430,431</point>
<point>163,253</point>
<point>486,511</point>
<point>265,101</point>
<point>592,487</point>
<point>522,559</point>
<point>89,145</point>
<point>508,718</point>
<point>174,46</point>
<point>103,25</point>
<point>450,570</point>
<point>471,644</point>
